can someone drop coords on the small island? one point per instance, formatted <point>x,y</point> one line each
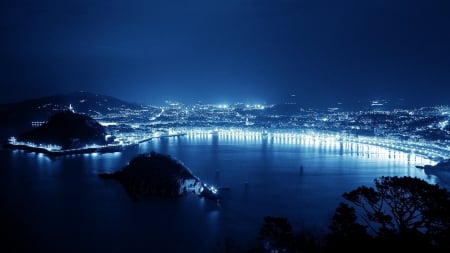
<point>64,133</point>
<point>156,174</point>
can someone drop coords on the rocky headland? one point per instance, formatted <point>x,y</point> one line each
<point>68,130</point>
<point>155,174</point>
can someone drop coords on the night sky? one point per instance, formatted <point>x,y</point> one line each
<point>324,51</point>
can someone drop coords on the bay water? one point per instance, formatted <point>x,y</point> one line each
<point>61,205</point>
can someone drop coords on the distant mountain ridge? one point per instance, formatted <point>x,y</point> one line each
<point>82,101</point>
<point>17,117</point>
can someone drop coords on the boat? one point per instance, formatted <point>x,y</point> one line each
<point>209,192</point>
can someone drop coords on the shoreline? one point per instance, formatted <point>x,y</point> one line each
<point>433,154</point>
<point>428,151</point>
<point>87,150</point>
<point>101,149</point>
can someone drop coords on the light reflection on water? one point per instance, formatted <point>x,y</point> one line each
<point>301,179</point>
<point>323,145</point>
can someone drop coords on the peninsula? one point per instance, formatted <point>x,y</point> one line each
<point>65,132</point>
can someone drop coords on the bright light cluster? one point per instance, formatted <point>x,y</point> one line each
<point>424,150</point>
<point>48,147</point>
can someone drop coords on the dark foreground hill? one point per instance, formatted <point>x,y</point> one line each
<point>68,130</point>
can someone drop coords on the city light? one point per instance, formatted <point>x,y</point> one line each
<point>422,132</point>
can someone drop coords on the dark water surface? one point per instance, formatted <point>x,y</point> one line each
<point>61,205</point>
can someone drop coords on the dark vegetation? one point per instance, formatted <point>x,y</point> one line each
<point>401,213</point>
<point>154,174</point>
<point>68,130</point>
<point>16,118</point>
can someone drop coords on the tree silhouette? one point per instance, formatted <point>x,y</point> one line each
<point>346,231</point>
<point>276,233</point>
<point>400,211</point>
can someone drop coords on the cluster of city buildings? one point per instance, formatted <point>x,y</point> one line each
<point>420,128</point>
<point>421,124</point>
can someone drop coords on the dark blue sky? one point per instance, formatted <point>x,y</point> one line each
<point>227,51</point>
